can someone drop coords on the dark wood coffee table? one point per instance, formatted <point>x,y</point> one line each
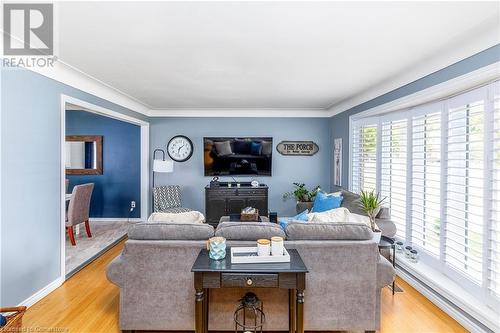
<point>210,274</point>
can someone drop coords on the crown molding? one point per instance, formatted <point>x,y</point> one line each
<point>480,39</point>
<point>75,78</point>
<point>242,112</point>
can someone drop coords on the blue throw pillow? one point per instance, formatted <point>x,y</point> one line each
<point>283,221</point>
<point>256,148</point>
<point>324,202</point>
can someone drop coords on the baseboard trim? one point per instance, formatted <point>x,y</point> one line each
<point>115,219</point>
<point>42,292</point>
<point>443,303</point>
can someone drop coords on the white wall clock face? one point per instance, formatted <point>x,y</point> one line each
<point>180,148</point>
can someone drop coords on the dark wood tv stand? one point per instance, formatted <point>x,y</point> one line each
<point>223,200</point>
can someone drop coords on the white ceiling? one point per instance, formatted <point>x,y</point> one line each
<point>264,55</point>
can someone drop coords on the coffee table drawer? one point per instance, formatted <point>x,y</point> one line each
<point>241,280</point>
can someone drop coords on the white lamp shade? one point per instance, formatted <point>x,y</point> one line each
<point>163,166</point>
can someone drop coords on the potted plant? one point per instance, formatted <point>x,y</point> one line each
<point>371,202</point>
<point>303,196</point>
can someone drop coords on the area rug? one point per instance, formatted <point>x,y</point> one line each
<point>104,235</point>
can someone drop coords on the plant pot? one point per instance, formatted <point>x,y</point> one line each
<point>377,235</point>
<point>303,205</point>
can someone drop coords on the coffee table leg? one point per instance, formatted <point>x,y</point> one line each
<point>291,310</point>
<point>199,313</point>
<point>300,311</point>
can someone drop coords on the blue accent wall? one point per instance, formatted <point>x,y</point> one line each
<point>120,182</point>
<point>339,124</point>
<point>30,161</point>
<point>311,170</point>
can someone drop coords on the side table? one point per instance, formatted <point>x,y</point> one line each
<point>209,273</point>
<point>386,243</point>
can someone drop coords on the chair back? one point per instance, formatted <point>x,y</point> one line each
<point>79,205</point>
<point>67,185</point>
<point>165,197</point>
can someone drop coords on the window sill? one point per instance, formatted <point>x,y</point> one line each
<point>448,295</point>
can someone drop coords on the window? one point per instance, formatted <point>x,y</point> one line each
<point>494,230</point>
<point>438,165</point>
<point>426,178</point>
<point>465,183</point>
<point>364,156</point>
<point>393,170</point>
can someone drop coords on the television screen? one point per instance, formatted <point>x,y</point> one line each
<point>250,156</point>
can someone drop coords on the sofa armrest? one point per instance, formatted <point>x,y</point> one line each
<point>387,227</point>
<point>385,272</point>
<point>114,271</point>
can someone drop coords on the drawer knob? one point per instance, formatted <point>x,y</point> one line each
<point>249,282</point>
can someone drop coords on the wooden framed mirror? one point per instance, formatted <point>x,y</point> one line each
<point>83,155</point>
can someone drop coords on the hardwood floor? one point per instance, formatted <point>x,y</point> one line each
<point>87,302</point>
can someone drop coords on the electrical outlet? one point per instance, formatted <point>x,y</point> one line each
<point>132,204</point>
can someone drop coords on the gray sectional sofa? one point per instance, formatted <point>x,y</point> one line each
<point>346,274</point>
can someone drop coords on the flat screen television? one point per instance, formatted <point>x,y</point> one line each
<point>231,156</point>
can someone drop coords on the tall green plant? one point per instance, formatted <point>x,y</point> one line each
<point>371,202</point>
<point>301,193</point>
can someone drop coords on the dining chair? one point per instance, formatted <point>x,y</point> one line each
<point>78,209</point>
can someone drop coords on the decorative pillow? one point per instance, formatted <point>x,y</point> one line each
<point>283,221</point>
<point>298,230</point>
<point>357,218</point>
<point>242,147</point>
<point>256,148</point>
<point>324,202</point>
<point>267,147</point>
<point>223,148</point>
<point>192,217</point>
<point>248,231</point>
<point>333,215</point>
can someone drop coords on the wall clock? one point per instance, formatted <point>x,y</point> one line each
<point>180,148</point>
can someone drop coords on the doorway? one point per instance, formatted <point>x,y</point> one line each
<point>104,168</point>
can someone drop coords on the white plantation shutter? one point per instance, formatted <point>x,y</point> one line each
<point>438,164</point>
<point>465,183</point>
<point>494,230</point>
<point>364,157</point>
<point>393,170</point>
<point>426,180</point>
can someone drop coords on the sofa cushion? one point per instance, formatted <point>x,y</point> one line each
<point>297,230</point>
<point>352,202</point>
<point>170,231</point>
<point>250,231</point>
